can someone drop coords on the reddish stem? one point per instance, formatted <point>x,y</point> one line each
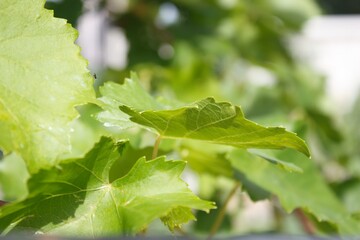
<point>305,222</point>
<point>2,203</point>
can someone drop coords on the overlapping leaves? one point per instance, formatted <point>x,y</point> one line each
<point>78,198</point>
<point>42,79</point>
<point>206,120</point>
<point>129,93</point>
<point>223,123</point>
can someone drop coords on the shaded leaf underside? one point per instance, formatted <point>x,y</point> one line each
<point>306,190</point>
<point>220,123</point>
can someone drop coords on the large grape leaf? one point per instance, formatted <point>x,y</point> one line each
<point>306,190</point>
<point>215,122</point>
<point>77,198</point>
<point>42,78</point>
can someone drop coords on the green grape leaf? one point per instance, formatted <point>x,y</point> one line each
<point>220,123</point>
<point>287,166</point>
<point>42,78</point>
<point>351,196</point>
<point>177,216</point>
<point>306,190</point>
<point>129,156</point>
<point>206,159</point>
<point>77,198</point>
<point>129,93</point>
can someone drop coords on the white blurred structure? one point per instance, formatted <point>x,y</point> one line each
<point>102,44</point>
<point>331,44</point>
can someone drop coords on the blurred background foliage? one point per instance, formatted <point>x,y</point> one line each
<point>236,51</point>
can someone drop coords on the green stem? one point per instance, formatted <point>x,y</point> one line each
<point>221,215</point>
<point>156,147</point>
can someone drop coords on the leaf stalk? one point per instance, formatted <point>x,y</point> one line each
<point>221,215</point>
<point>307,226</point>
<point>156,147</point>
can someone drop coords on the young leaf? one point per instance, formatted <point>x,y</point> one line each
<point>177,216</point>
<point>77,197</point>
<point>220,123</point>
<point>42,78</point>
<point>306,190</point>
<point>129,93</point>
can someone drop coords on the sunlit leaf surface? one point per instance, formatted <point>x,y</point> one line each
<point>77,198</point>
<point>42,78</point>
<point>129,93</point>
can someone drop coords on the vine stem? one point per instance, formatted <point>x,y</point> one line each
<point>181,231</point>
<point>307,226</point>
<point>156,147</point>
<point>221,214</point>
<point>2,203</point>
